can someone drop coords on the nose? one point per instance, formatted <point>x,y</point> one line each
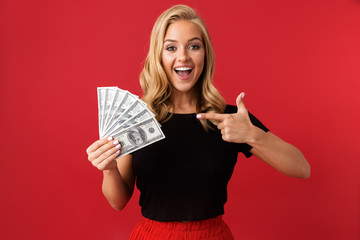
<point>183,55</point>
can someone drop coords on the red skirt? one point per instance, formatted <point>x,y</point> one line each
<point>210,229</point>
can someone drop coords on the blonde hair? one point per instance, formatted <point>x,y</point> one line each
<point>153,80</point>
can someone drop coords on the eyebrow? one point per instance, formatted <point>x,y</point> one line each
<point>190,40</point>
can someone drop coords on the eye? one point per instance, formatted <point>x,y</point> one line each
<point>170,48</point>
<point>194,47</point>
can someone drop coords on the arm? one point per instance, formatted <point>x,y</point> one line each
<point>281,155</point>
<point>271,149</point>
<point>118,183</point>
<point>118,175</point>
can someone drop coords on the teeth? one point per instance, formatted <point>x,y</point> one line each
<point>182,68</point>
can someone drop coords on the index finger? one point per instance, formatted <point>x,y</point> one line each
<point>212,116</point>
<point>97,144</point>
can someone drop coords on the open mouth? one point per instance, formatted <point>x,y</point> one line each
<point>183,72</point>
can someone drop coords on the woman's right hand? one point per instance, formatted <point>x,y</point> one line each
<point>103,152</point>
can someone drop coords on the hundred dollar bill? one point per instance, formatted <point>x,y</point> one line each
<point>139,136</point>
<point>142,116</point>
<point>119,94</point>
<point>127,100</point>
<point>134,109</point>
<point>109,99</point>
<point>101,103</point>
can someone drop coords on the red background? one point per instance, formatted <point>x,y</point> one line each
<point>297,61</point>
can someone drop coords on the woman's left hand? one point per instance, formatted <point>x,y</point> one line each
<point>281,155</point>
<point>235,127</point>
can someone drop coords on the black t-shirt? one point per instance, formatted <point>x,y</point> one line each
<point>184,177</point>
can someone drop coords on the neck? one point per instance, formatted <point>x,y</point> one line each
<point>183,102</point>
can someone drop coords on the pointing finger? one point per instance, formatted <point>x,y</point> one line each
<point>212,116</point>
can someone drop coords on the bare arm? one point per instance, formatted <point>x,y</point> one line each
<point>118,175</point>
<point>268,147</point>
<point>281,155</point>
<point>118,183</point>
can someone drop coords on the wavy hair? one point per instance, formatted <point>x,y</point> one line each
<point>153,80</point>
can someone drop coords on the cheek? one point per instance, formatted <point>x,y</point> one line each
<point>166,62</point>
<point>200,60</point>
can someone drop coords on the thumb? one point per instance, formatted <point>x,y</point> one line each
<point>240,103</point>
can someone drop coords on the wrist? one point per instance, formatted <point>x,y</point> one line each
<point>256,136</point>
<point>110,171</point>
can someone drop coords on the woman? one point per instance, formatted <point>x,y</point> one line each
<point>183,178</point>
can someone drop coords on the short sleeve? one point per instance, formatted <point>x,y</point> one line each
<point>246,148</point>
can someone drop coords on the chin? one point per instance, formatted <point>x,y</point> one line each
<point>183,89</point>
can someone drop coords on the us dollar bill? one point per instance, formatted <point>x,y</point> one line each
<point>139,136</point>
<point>109,99</point>
<point>127,100</point>
<point>119,95</point>
<point>142,116</point>
<point>134,109</point>
<point>101,103</point>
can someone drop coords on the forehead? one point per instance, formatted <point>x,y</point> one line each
<point>182,30</point>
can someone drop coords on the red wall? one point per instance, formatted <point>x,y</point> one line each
<point>297,61</point>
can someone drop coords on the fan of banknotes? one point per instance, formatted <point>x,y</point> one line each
<point>126,118</point>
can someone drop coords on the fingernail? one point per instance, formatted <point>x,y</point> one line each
<point>117,152</point>
<point>198,116</point>
<point>116,142</point>
<point>110,138</point>
<point>118,146</point>
<point>243,95</point>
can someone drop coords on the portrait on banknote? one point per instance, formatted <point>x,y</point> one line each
<point>137,136</point>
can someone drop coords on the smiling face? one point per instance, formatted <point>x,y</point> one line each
<point>183,55</point>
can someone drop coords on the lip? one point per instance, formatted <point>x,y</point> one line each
<point>189,66</point>
<point>185,77</point>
